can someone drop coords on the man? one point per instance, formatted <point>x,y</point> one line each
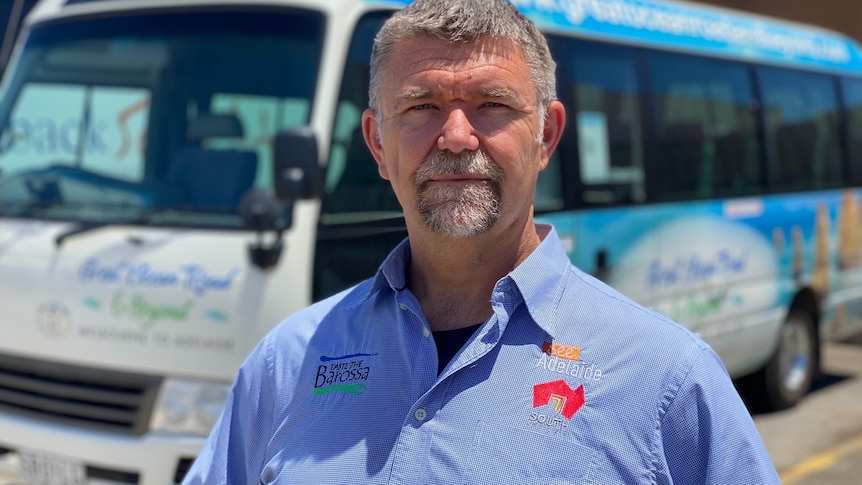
<point>478,353</point>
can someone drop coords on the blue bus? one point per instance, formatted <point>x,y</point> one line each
<point>712,172</point>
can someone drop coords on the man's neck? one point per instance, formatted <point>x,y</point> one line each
<point>453,278</point>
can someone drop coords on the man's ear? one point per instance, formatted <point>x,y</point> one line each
<point>371,133</point>
<point>555,122</point>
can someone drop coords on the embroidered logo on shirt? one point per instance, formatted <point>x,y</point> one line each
<point>566,360</point>
<point>567,352</point>
<point>565,400</point>
<point>346,373</point>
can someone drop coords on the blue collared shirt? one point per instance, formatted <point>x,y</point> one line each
<point>567,382</point>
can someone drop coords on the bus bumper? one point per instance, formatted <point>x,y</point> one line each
<point>108,458</point>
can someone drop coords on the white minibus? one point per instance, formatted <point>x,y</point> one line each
<point>177,176</point>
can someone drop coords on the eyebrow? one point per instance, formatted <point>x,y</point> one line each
<point>413,94</point>
<point>500,93</point>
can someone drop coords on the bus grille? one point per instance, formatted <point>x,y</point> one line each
<point>79,396</point>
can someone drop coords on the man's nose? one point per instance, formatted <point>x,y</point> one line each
<point>458,133</point>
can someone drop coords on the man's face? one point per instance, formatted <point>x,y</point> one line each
<point>459,134</point>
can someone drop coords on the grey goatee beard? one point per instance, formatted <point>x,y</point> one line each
<point>464,209</point>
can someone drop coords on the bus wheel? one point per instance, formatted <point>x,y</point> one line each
<point>788,374</point>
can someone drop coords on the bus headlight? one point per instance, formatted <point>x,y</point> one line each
<point>188,406</point>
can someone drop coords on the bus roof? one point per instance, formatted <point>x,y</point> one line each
<point>697,28</point>
<point>666,24</point>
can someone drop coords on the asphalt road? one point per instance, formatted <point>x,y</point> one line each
<point>819,442</point>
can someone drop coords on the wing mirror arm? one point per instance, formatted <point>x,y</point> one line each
<point>297,174</point>
<point>263,213</point>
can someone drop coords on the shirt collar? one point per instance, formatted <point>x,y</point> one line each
<point>538,280</point>
<point>393,270</point>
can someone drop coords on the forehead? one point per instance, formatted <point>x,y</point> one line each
<point>431,60</point>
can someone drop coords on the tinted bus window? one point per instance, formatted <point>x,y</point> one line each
<point>601,83</point>
<point>12,14</point>
<point>354,190</point>
<point>360,220</point>
<point>706,126</point>
<point>852,89</point>
<point>802,129</point>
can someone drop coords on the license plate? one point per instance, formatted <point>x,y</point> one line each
<point>43,469</point>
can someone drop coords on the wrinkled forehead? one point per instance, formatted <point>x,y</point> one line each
<point>427,58</point>
<point>476,50</point>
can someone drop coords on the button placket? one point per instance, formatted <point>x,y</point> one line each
<point>424,354</point>
<point>426,332</point>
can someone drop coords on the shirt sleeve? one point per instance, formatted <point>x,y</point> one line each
<point>707,433</point>
<point>235,450</point>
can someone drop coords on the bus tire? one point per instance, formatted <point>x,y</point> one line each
<point>788,374</point>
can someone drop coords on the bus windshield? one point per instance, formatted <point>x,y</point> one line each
<point>160,118</point>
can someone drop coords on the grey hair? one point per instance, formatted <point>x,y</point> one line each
<point>464,21</point>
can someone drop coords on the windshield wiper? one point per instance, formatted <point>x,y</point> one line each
<point>79,228</point>
<point>87,226</point>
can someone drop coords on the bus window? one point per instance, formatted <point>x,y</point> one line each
<point>12,14</point>
<point>802,130</point>
<point>549,186</point>
<point>99,129</point>
<point>852,90</point>
<point>353,189</point>
<point>261,117</point>
<point>602,80</point>
<point>116,119</point>
<point>707,128</point>
<point>360,219</point>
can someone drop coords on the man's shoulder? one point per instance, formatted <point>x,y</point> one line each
<point>638,349</point>
<point>334,305</point>
<point>611,313</point>
<point>320,321</point>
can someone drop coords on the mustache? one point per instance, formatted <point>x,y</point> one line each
<point>474,163</point>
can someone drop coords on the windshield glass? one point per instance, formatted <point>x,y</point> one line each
<point>167,115</point>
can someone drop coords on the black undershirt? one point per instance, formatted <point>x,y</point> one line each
<point>449,342</point>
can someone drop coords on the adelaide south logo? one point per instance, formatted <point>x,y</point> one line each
<point>566,360</point>
<point>565,400</point>
<point>562,399</point>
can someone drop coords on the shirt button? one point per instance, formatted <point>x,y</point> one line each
<point>426,332</point>
<point>404,307</point>
<point>420,414</point>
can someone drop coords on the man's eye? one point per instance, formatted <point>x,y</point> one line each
<point>422,106</point>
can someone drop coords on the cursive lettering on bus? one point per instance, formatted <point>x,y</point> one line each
<point>199,282</point>
<point>195,279</point>
<point>142,275</point>
<point>91,270</point>
<point>695,269</point>
<point>148,313</point>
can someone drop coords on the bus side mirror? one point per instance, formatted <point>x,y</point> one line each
<point>262,212</point>
<point>296,170</point>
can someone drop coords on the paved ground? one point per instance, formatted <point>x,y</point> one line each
<point>819,442</point>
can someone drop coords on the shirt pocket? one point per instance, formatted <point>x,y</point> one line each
<point>506,455</point>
